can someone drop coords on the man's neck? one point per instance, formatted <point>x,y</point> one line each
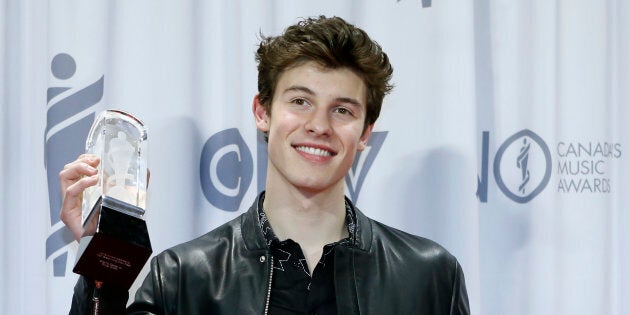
<point>311,219</point>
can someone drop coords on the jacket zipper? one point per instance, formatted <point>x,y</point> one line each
<point>269,286</point>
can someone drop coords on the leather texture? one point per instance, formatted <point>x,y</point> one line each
<point>227,271</point>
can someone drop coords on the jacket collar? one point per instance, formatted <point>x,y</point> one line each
<point>255,240</point>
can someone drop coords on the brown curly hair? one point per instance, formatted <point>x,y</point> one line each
<point>332,43</point>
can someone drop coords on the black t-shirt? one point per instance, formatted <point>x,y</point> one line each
<point>293,290</point>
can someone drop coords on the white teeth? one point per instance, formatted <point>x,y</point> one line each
<point>313,151</point>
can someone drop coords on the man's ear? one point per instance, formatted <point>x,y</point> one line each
<point>260,114</point>
<point>365,137</point>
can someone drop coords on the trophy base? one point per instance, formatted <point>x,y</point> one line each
<point>115,245</point>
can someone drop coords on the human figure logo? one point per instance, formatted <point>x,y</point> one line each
<point>69,116</point>
<point>521,162</point>
<point>521,181</point>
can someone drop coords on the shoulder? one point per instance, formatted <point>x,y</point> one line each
<point>208,247</point>
<point>408,247</point>
<point>424,274</point>
<point>230,243</point>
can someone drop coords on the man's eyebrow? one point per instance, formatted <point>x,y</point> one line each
<point>301,88</point>
<point>349,100</point>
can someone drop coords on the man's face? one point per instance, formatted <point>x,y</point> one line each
<point>316,127</point>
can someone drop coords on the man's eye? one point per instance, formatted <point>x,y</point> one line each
<point>342,110</point>
<point>299,101</point>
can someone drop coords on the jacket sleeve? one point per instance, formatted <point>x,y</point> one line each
<point>459,299</point>
<point>149,298</point>
<point>111,300</point>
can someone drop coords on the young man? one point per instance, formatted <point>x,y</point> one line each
<point>302,247</point>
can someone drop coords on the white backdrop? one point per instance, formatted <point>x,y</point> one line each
<point>504,139</point>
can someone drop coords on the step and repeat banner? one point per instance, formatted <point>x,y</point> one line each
<point>506,137</point>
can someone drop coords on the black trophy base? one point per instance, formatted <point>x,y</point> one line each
<point>115,245</point>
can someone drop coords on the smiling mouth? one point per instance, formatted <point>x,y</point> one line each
<point>314,151</point>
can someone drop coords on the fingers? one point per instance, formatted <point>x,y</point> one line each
<point>85,165</point>
<point>75,177</point>
<point>75,190</point>
<point>71,208</point>
<point>83,160</point>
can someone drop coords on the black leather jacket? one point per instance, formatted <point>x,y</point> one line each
<point>229,271</point>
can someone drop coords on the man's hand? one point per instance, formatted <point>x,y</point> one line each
<point>74,179</point>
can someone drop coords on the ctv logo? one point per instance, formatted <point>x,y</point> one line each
<point>521,166</point>
<point>226,167</point>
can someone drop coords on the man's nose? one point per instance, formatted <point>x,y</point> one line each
<point>319,123</point>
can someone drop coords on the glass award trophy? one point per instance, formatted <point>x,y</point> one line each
<point>115,244</point>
